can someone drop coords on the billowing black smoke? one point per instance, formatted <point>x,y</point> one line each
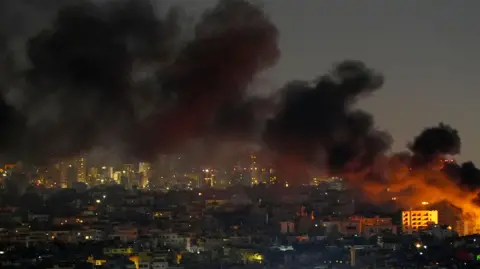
<point>469,175</point>
<point>319,122</point>
<point>434,143</point>
<point>116,73</point>
<point>432,147</point>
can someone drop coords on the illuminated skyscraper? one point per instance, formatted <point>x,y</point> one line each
<point>71,170</point>
<point>272,179</point>
<point>117,177</point>
<point>254,171</point>
<point>81,169</point>
<point>208,178</point>
<point>144,171</point>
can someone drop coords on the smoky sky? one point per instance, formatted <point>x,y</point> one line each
<point>435,145</point>
<point>320,118</point>
<point>115,73</point>
<point>434,142</point>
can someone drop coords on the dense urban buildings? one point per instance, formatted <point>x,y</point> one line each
<point>136,136</point>
<point>172,214</point>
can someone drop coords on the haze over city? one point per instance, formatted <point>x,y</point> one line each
<point>425,49</point>
<point>287,123</point>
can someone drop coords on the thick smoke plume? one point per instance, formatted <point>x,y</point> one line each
<point>319,124</point>
<point>116,72</point>
<point>424,178</point>
<point>434,143</point>
<point>109,73</point>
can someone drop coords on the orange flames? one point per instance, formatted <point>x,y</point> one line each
<point>419,188</point>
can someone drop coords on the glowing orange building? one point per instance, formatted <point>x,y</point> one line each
<point>417,220</point>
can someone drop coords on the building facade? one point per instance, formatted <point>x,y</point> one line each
<point>417,220</point>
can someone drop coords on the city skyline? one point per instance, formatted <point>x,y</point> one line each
<point>239,133</point>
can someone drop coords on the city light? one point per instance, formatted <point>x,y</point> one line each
<point>425,203</point>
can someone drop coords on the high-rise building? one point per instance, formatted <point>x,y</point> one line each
<point>128,174</point>
<point>272,179</point>
<point>264,175</point>
<point>208,178</point>
<point>144,170</point>
<point>106,172</point>
<point>447,214</point>
<point>81,169</point>
<point>71,170</point>
<point>254,171</point>
<point>92,175</point>
<point>66,176</point>
<point>237,175</point>
<point>70,175</point>
<point>417,220</point>
<point>117,177</point>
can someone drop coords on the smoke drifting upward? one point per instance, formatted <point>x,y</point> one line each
<point>430,148</point>
<point>433,143</point>
<point>233,43</point>
<point>116,72</point>
<point>421,179</point>
<point>318,123</point>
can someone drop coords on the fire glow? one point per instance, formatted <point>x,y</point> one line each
<point>421,188</point>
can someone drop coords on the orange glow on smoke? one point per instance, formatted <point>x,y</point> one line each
<point>419,188</point>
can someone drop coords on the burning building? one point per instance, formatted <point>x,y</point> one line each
<point>468,227</point>
<point>417,220</point>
